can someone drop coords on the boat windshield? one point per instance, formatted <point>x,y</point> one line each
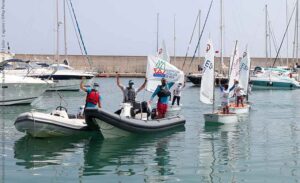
<point>61,67</point>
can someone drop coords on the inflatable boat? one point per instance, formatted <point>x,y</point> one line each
<point>114,125</point>
<point>57,123</point>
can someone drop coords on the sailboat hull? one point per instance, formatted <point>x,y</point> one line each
<point>279,85</point>
<point>220,119</point>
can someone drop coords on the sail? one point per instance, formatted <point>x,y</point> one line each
<point>207,81</point>
<point>244,71</point>
<point>234,72</point>
<point>163,52</point>
<point>157,69</point>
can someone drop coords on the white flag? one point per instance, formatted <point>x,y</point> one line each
<point>208,81</point>
<point>157,69</point>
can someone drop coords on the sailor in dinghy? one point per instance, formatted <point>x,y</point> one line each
<point>207,91</point>
<point>242,86</point>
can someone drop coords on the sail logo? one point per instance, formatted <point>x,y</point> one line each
<point>159,69</point>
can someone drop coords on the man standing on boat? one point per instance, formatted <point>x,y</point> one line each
<point>93,96</point>
<point>163,93</point>
<point>129,93</point>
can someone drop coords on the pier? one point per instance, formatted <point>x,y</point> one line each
<point>135,66</point>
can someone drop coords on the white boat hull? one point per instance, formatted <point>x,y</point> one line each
<point>65,85</point>
<point>43,125</point>
<point>63,80</point>
<point>19,90</point>
<point>220,119</point>
<point>109,131</point>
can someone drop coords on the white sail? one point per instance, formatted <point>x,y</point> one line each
<point>207,81</point>
<point>157,69</point>
<point>244,71</point>
<point>163,52</point>
<point>234,72</point>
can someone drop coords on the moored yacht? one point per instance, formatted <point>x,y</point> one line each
<point>21,90</point>
<point>273,78</point>
<point>64,77</point>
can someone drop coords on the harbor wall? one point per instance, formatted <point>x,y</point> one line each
<point>137,64</point>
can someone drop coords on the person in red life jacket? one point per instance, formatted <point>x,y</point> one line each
<point>93,96</point>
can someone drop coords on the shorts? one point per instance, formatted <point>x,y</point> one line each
<point>162,108</point>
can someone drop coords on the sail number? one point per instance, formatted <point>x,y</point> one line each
<point>244,67</point>
<point>208,64</point>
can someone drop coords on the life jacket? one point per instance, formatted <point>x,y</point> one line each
<point>164,91</point>
<point>92,97</point>
<point>129,95</point>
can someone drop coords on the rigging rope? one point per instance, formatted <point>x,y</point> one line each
<point>286,30</point>
<point>76,33</point>
<point>80,34</point>
<point>188,48</point>
<point>201,34</point>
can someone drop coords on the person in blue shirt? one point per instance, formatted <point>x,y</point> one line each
<point>93,96</point>
<point>163,93</point>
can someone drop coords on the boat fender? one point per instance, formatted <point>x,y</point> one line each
<point>270,83</point>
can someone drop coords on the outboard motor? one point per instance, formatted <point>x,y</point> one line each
<point>126,110</point>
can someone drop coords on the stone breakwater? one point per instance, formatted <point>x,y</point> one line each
<point>136,64</point>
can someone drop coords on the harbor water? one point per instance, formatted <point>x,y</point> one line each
<point>262,147</point>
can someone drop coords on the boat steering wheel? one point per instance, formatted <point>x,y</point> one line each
<point>61,108</point>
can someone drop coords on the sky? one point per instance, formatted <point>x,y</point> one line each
<point>128,27</point>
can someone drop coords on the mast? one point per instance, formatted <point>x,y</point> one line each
<point>157,30</point>
<point>174,39</point>
<point>297,29</point>
<point>270,42</point>
<point>287,35</point>
<point>199,33</point>
<point>221,36</point>
<point>3,31</point>
<point>57,32</point>
<point>214,93</point>
<point>65,31</point>
<point>266,31</point>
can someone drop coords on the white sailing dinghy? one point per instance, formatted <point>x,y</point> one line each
<point>157,68</point>
<point>207,93</point>
<point>240,71</point>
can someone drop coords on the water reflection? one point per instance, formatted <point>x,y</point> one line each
<point>36,153</point>
<point>102,156</point>
<point>224,147</point>
<point>113,155</point>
